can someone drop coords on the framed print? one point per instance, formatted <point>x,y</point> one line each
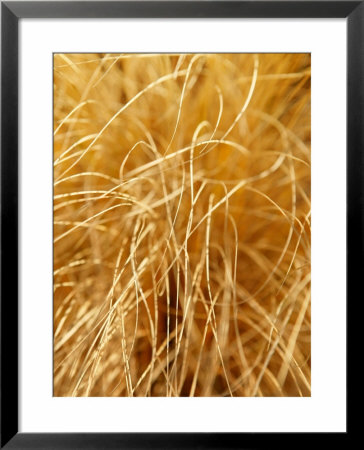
<point>162,282</point>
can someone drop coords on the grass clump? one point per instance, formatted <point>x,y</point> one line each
<point>182,225</point>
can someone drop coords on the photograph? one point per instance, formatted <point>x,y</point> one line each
<point>181,225</point>
<point>181,219</point>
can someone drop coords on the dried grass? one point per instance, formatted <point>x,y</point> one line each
<point>182,225</point>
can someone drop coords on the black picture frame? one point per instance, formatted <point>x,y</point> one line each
<point>11,12</point>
